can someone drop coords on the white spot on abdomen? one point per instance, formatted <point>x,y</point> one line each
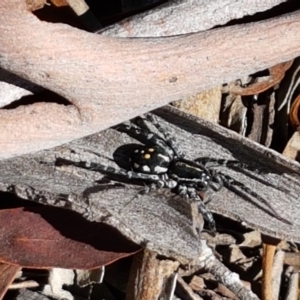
<point>146,168</point>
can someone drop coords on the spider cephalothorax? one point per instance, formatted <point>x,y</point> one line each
<point>161,164</point>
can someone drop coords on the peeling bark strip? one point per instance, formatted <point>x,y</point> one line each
<point>161,220</point>
<point>186,16</point>
<point>107,84</point>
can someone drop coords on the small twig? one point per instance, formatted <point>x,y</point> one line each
<point>268,257</point>
<point>24,285</point>
<point>292,292</point>
<point>230,279</point>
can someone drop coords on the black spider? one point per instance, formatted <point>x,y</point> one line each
<point>161,163</point>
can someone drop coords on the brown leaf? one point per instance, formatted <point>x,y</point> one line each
<point>294,113</point>
<point>44,237</point>
<point>277,72</point>
<point>59,3</point>
<point>7,275</point>
<point>35,4</point>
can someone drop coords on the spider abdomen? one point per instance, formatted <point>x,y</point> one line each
<point>150,160</point>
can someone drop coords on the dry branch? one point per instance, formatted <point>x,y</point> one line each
<point>109,80</point>
<point>186,16</point>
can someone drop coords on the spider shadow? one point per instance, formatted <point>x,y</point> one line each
<point>102,188</point>
<point>265,206</point>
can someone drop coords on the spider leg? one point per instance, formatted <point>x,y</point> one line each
<point>229,182</point>
<point>151,187</point>
<point>213,162</point>
<point>192,194</point>
<point>118,172</point>
<point>169,139</point>
<point>230,163</point>
<point>165,181</point>
<point>207,162</point>
<point>182,190</point>
<point>145,136</point>
<point>160,181</point>
<point>217,181</point>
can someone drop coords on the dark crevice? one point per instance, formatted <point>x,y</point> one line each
<point>281,9</point>
<point>45,96</point>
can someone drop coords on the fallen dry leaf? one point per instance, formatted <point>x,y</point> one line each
<point>59,3</point>
<point>7,274</point>
<point>35,4</point>
<point>277,73</point>
<point>44,237</point>
<point>294,113</point>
